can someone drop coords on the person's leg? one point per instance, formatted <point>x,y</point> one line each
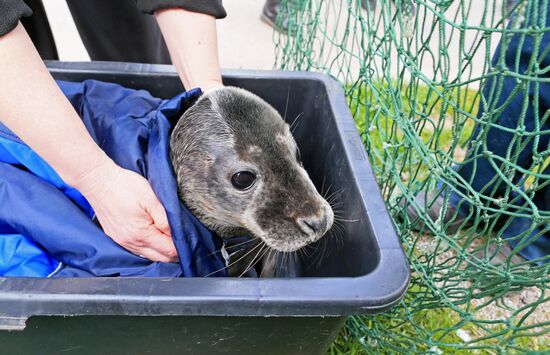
<point>516,141</point>
<point>487,172</point>
<point>500,146</point>
<point>529,235</point>
<point>508,137</point>
<point>118,31</point>
<point>38,28</point>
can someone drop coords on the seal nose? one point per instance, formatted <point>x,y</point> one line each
<point>313,224</point>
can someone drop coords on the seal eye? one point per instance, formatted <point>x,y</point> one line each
<point>243,180</point>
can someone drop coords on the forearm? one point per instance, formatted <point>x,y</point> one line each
<point>191,39</point>
<point>33,106</point>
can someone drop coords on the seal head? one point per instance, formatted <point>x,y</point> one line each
<point>238,169</point>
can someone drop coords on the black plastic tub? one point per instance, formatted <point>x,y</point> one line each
<point>364,271</point>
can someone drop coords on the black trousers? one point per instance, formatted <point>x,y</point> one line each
<point>110,30</point>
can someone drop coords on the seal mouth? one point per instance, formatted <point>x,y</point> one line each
<point>306,230</point>
<point>286,246</point>
<point>292,244</point>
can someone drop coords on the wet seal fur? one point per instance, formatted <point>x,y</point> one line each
<point>230,130</point>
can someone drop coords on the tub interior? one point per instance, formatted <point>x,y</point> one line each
<point>350,249</point>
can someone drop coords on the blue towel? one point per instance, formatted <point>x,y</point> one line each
<point>47,228</point>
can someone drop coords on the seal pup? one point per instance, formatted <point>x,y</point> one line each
<point>238,169</point>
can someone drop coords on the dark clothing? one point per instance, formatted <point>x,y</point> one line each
<point>118,31</point>
<point>521,106</point>
<point>110,30</point>
<point>10,12</point>
<point>38,28</point>
<point>209,7</point>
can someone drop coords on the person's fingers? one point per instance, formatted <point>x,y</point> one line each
<point>154,255</point>
<point>158,214</point>
<point>163,245</point>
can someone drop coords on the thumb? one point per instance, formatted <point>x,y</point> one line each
<point>158,214</point>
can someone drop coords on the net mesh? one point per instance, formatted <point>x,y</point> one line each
<point>450,98</point>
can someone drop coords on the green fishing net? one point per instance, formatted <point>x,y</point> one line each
<point>429,100</point>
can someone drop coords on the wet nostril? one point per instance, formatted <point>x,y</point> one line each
<point>310,224</point>
<point>313,224</point>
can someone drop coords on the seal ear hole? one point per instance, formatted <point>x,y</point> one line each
<point>243,180</point>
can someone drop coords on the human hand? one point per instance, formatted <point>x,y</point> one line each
<point>125,204</point>
<point>128,211</point>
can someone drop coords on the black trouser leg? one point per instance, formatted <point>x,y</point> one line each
<point>118,31</point>
<point>38,28</point>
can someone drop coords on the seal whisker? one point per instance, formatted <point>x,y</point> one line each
<point>287,99</point>
<point>268,258</point>
<point>334,195</point>
<point>242,243</point>
<point>323,185</point>
<point>339,228</point>
<point>338,219</point>
<point>341,217</point>
<point>336,202</point>
<point>304,251</point>
<point>337,211</point>
<point>293,260</point>
<point>292,126</point>
<point>321,251</point>
<point>236,261</point>
<point>230,247</point>
<point>338,225</point>
<point>287,260</point>
<point>253,263</point>
<point>266,251</point>
<point>338,234</point>
<point>326,193</point>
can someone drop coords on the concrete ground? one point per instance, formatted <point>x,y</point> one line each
<point>244,41</point>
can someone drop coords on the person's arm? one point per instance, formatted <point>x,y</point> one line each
<point>33,106</point>
<point>191,39</point>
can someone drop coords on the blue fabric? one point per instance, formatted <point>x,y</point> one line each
<point>47,227</point>
<point>478,170</point>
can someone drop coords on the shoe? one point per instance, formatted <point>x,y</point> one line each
<point>499,255</point>
<point>270,15</point>
<point>372,4</point>
<point>452,221</point>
